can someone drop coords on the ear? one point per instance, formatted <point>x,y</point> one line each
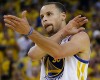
<point>63,14</point>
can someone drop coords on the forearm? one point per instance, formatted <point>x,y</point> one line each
<point>36,53</point>
<point>46,45</point>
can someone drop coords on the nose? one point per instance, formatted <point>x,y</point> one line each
<point>44,19</point>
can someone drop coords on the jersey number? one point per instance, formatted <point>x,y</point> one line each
<point>57,60</point>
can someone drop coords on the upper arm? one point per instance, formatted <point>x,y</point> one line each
<point>79,43</point>
<point>36,53</point>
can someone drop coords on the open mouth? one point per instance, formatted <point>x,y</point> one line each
<point>47,25</point>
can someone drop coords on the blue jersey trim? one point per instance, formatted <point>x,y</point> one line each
<point>81,60</point>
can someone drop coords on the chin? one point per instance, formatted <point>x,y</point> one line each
<point>52,32</point>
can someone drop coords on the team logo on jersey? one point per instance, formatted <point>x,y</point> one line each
<point>54,68</point>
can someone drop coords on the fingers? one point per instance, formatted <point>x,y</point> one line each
<point>80,19</point>
<point>83,22</point>
<point>10,26</point>
<point>12,20</point>
<point>9,22</point>
<point>77,17</point>
<point>11,17</point>
<point>81,29</point>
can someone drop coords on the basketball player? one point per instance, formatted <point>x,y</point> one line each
<point>65,54</point>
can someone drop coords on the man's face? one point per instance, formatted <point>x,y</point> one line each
<point>51,18</point>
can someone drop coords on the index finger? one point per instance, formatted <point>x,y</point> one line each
<point>12,17</point>
<point>77,17</point>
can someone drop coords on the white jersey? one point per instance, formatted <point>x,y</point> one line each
<point>69,68</point>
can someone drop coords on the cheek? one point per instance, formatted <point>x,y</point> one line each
<point>41,22</point>
<point>57,23</point>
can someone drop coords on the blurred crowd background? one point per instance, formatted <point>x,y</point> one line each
<point>14,62</point>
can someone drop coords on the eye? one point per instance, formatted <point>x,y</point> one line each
<point>41,16</point>
<point>49,14</point>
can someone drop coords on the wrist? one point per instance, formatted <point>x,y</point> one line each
<point>64,32</point>
<point>30,32</point>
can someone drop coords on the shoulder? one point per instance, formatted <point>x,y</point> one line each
<point>81,36</point>
<point>82,40</point>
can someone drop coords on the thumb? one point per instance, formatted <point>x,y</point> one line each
<point>24,14</point>
<point>81,29</point>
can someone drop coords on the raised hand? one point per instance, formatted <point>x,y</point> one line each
<point>20,25</point>
<point>75,25</point>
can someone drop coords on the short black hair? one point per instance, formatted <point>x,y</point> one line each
<point>59,5</point>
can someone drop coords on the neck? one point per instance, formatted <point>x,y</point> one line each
<point>62,25</point>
